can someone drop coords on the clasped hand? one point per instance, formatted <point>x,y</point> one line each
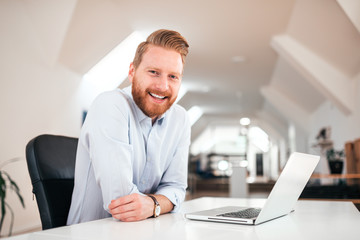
<point>133,207</point>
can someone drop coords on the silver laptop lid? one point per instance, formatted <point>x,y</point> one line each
<point>289,186</point>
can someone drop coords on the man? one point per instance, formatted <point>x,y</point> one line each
<point>132,154</point>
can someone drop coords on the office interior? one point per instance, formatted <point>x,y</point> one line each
<point>289,69</point>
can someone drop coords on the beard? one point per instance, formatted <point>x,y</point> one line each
<point>142,99</point>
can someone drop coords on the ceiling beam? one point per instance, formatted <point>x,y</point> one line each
<point>271,124</point>
<point>198,128</point>
<point>286,106</point>
<point>328,80</point>
<point>352,10</point>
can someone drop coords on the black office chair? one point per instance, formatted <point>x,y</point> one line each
<point>51,165</point>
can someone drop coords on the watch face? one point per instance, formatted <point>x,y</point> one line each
<point>157,210</point>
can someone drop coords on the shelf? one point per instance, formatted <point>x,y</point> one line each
<point>337,176</point>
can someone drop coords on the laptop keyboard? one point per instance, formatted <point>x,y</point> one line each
<point>246,213</point>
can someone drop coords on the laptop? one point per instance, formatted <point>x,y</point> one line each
<point>280,202</point>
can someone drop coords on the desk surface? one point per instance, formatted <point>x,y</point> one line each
<point>310,220</point>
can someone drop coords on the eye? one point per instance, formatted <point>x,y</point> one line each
<point>173,77</point>
<point>153,72</point>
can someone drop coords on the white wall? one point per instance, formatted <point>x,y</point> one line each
<point>343,128</point>
<point>36,96</point>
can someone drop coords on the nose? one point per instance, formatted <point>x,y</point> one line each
<point>162,84</point>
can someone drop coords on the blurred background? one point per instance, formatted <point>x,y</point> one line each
<point>263,78</point>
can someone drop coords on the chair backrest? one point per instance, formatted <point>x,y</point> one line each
<point>51,165</point>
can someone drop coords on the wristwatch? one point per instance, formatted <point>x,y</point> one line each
<point>157,208</point>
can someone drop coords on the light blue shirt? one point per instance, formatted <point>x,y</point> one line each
<point>121,152</point>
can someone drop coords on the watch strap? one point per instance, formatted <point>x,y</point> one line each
<point>156,204</point>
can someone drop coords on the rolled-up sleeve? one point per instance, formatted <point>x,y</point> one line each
<point>174,181</point>
<point>110,153</point>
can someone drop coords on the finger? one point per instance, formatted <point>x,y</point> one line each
<point>121,201</point>
<point>127,216</point>
<point>123,208</point>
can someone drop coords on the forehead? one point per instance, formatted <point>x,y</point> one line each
<point>162,58</point>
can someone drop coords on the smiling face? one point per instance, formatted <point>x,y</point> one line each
<point>156,81</point>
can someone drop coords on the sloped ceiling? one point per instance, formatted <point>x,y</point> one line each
<point>51,23</point>
<point>324,28</point>
<point>323,47</point>
<point>217,32</point>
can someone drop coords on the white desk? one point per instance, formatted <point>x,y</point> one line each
<point>311,220</point>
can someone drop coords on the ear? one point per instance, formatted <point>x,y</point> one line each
<point>131,72</point>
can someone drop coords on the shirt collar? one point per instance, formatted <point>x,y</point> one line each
<point>139,114</point>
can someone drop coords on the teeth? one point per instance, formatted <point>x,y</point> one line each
<point>157,96</point>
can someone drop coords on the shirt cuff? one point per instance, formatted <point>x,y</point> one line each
<point>175,196</point>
